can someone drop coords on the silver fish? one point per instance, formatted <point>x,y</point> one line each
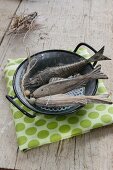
<point>60,100</point>
<point>66,85</point>
<point>65,71</point>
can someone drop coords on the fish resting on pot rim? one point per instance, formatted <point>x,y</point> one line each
<point>66,85</point>
<point>43,77</point>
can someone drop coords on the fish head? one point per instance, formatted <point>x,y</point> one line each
<point>35,81</point>
<point>41,92</point>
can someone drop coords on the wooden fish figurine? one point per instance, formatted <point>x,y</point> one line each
<point>60,100</point>
<point>66,85</point>
<point>64,71</point>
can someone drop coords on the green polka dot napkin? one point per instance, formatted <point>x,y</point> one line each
<point>44,129</point>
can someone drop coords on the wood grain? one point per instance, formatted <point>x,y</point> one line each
<point>67,23</point>
<point>8,146</point>
<point>7,10</point>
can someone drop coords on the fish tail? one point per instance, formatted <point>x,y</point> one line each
<point>96,74</point>
<point>98,56</point>
<point>99,99</point>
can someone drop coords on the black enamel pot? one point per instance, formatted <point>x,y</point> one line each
<point>47,59</point>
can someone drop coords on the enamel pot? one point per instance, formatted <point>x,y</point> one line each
<point>51,58</point>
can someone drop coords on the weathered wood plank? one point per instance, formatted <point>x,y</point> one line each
<point>7,9</point>
<point>68,23</point>
<point>8,148</point>
<point>95,148</point>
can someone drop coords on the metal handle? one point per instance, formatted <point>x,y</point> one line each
<point>10,98</point>
<point>87,45</point>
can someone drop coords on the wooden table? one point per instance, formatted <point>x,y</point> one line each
<point>67,22</point>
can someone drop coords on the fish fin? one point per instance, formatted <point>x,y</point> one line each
<point>75,75</point>
<point>98,56</point>
<point>53,79</point>
<point>96,74</point>
<point>103,95</point>
<point>99,99</point>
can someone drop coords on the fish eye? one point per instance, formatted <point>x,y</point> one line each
<point>41,89</point>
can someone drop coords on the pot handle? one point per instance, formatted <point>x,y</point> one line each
<point>87,45</point>
<point>10,98</point>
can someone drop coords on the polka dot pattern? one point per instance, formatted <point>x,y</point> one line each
<point>85,123</point>
<point>64,128</point>
<point>33,143</point>
<point>52,125</point>
<point>100,107</point>
<point>20,127</point>
<point>43,129</point>
<point>40,122</point>
<point>60,118</point>
<point>31,131</point>
<point>106,118</point>
<point>55,137</point>
<point>43,134</point>
<point>110,110</point>
<point>22,140</point>
<point>18,115</point>
<point>76,131</point>
<point>89,106</point>
<point>28,120</point>
<point>81,112</point>
<point>97,125</point>
<point>93,115</point>
<point>73,120</point>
